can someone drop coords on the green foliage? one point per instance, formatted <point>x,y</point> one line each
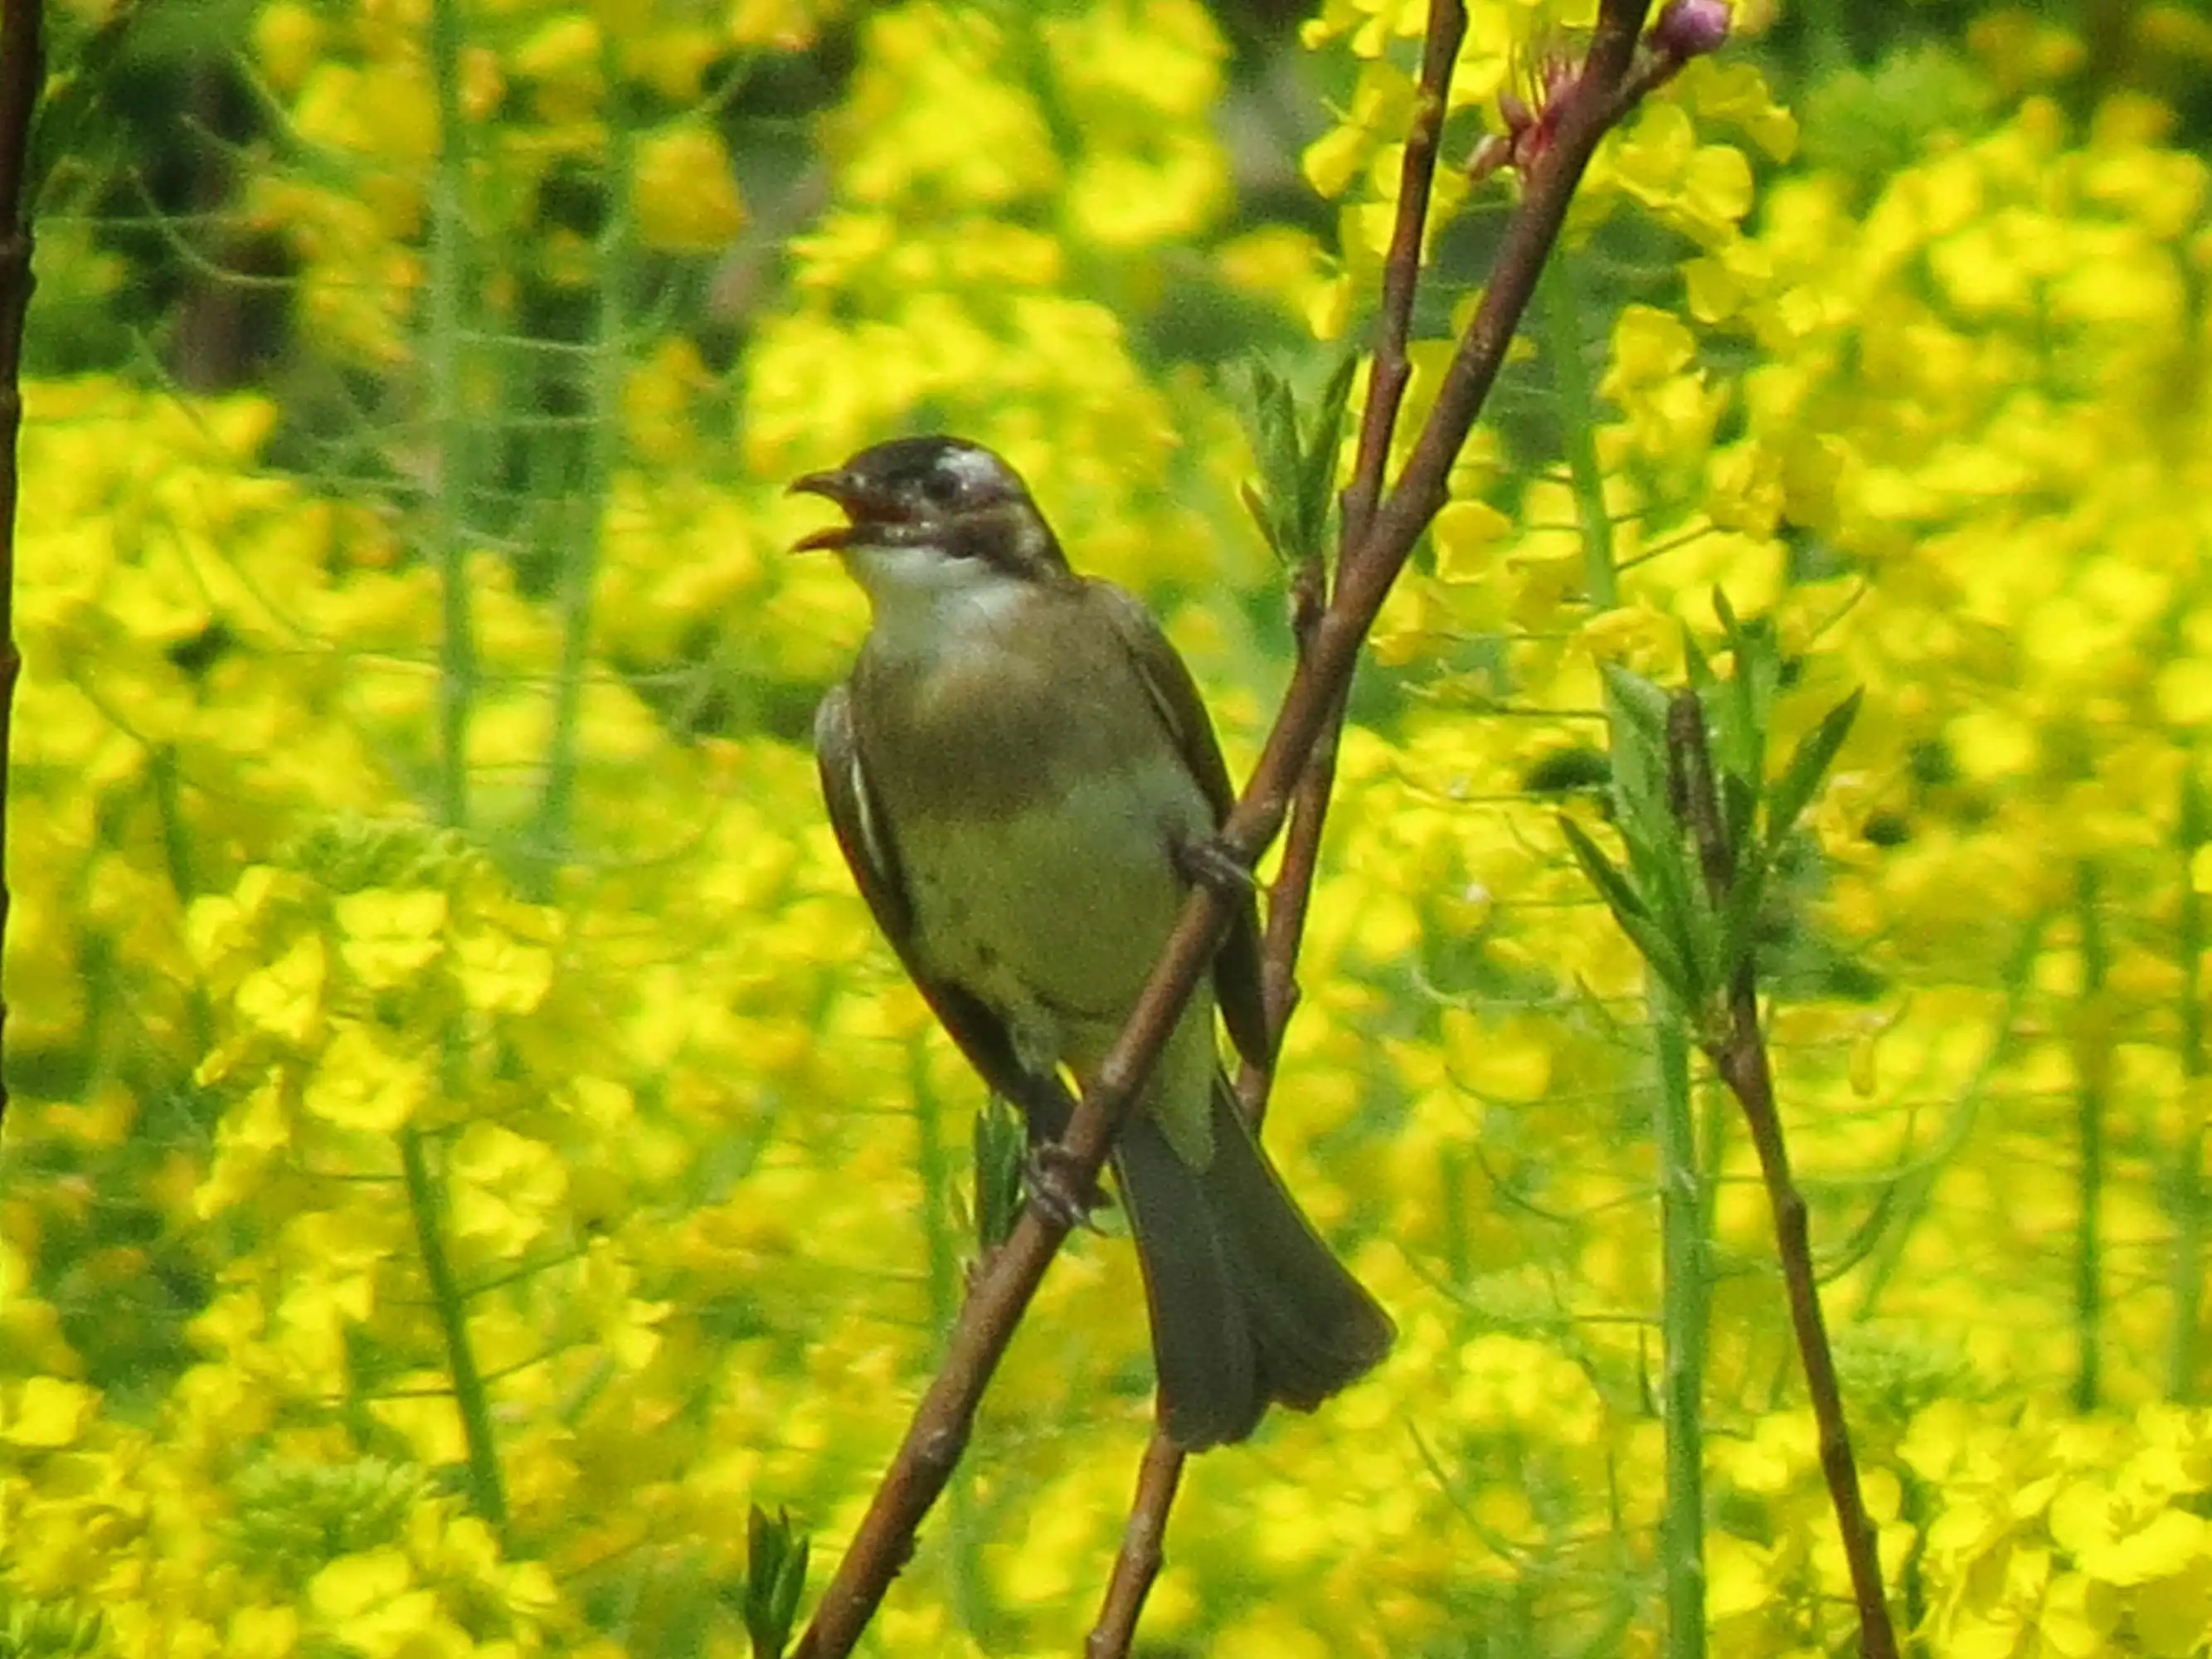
<point>775,1578</point>
<point>1694,895</point>
<point>1296,457</point>
<point>1002,1148</point>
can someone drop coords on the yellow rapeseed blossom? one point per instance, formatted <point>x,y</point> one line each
<point>686,196</point>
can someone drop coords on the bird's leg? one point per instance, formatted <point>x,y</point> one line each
<point>1209,861</point>
<point>1049,1178</point>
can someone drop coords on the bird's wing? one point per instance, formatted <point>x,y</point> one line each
<point>1182,711</point>
<point>863,835</point>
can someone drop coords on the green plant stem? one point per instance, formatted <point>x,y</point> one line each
<point>581,551</point>
<point>22,71</point>
<point>2092,1057</point>
<point>1685,1290</point>
<point>426,1203</point>
<point>1686,1301</point>
<point>1736,1047</point>
<point>2186,1272</point>
<point>1561,298</point>
<point>456,683</point>
<point>457,661</point>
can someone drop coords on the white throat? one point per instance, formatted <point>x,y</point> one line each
<point>926,602</point>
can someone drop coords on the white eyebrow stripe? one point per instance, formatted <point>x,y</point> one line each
<point>973,467</point>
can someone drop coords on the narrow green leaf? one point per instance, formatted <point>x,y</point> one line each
<point>1740,924</point>
<point>1318,480</point>
<point>1675,892</point>
<point>1730,626</point>
<point>1613,886</point>
<point>1001,1149</point>
<point>1643,701</point>
<point>1642,802</point>
<point>1666,964</point>
<point>1256,505</point>
<point>1738,719</point>
<point>790,1586</point>
<point>1279,415</point>
<point>1800,779</point>
<point>1335,399</point>
<point>1739,819</point>
<point>775,1578</point>
<point>1629,911</point>
<point>1274,440</point>
<point>1700,665</point>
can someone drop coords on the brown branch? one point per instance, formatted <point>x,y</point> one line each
<point>20,74</point>
<point>1737,1051</point>
<point>934,1441</point>
<point>1138,1563</point>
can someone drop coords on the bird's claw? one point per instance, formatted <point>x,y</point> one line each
<point>1050,1177</point>
<point>1209,861</point>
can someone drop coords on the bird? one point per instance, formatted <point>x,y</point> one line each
<point>1022,776</point>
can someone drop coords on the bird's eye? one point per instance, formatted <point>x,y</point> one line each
<point>943,489</point>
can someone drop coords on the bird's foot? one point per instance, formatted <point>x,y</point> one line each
<point>1209,861</point>
<point>1051,1180</point>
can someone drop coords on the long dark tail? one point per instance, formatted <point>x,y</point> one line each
<point>1248,1305</point>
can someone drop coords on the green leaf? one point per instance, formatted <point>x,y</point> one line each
<point>1642,802</point>
<point>1643,701</point>
<point>1740,924</point>
<point>1293,498</point>
<point>1002,1145</point>
<point>1730,628</point>
<point>1613,887</point>
<point>1700,666</point>
<point>1317,465</point>
<point>1256,505</point>
<point>1628,908</point>
<point>1265,408</point>
<point>775,1578</point>
<point>1800,779</point>
<point>1681,912</point>
<point>1739,719</point>
<point>1739,822</point>
<point>790,1586</point>
<point>1630,912</point>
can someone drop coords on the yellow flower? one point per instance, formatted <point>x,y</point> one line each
<point>362,1082</point>
<point>45,1412</point>
<point>387,936</point>
<point>685,193</point>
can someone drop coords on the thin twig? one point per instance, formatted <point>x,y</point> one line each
<point>20,74</point>
<point>939,1432</point>
<point>1138,1562</point>
<point>1737,1051</point>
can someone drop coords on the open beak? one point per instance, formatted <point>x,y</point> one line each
<point>836,485</point>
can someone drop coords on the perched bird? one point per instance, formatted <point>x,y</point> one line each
<point>1023,777</point>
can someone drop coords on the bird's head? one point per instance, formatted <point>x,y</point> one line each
<point>931,514</point>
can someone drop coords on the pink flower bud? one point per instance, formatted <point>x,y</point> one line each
<point>1691,28</point>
